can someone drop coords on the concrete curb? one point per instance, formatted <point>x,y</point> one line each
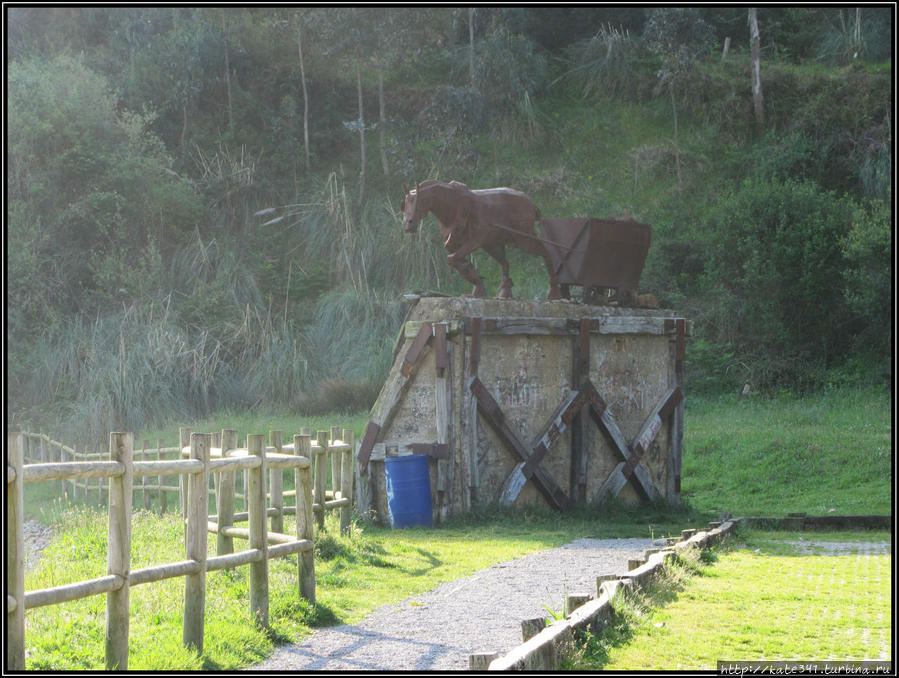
<point>543,651</point>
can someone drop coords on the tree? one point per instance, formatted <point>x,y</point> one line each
<point>677,36</point>
<point>299,21</point>
<point>758,105</point>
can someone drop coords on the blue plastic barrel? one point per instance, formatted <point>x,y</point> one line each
<point>408,490</point>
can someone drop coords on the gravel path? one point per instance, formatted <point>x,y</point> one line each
<point>483,612</point>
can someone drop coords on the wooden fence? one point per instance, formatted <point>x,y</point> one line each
<point>307,458</point>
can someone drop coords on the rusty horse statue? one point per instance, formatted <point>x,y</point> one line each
<point>488,219</point>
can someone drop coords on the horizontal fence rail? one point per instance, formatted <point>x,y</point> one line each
<point>198,464</point>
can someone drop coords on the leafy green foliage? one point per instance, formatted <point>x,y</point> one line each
<point>146,146</point>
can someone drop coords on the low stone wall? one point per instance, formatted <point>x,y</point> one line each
<point>544,650</point>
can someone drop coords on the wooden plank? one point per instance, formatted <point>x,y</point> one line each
<point>491,411</point>
<point>147,575</point>
<point>118,551</point>
<point>613,484</point>
<point>441,415</point>
<point>258,531</point>
<point>541,446</point>
<point>15,551</point>
<point>367,445</point>
<point>276,483</point>
<point>346,481</point>
<point>232,560</point>
<point>513,485</point>
<point>302,445</point>
<point>75,591</point>
<point>224,501</point>
<point>440,351</point>
<point>474,355</point>
<point>33,473</point>
<point>631,456</point>
<point>415,350</point>
<point>197,507</point>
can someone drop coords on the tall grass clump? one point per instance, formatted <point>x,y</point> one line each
<point>602,65</point>
<point>123,369</point>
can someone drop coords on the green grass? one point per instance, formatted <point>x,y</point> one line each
<point>355,574</point>
<point>820,454</point>
<point>763,599</point>
<point>749,457</point>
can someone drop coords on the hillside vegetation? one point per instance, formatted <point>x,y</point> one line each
<point>203,203</point>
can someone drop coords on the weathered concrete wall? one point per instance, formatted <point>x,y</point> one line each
<point>526,356</point>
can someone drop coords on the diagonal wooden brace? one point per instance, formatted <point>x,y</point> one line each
<point>389,398</point>
<point>529,465</point>
<point>632,453</point>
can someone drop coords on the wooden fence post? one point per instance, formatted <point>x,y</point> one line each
<point>196,530</point>
<point>163,495</point>
<point>258,519</point>
<point>346,481</point>
<point>276,484</point>
<point>321,477</point>
<point>336,460</point>
<point>15,553</point>
<point>183,441</point>
<point>145,497</point>
<point>118,553</point>
<point>225,498</point>
<point>302,446</point>
<point>76,482</point>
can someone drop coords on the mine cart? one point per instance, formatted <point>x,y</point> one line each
<point>599,255</point>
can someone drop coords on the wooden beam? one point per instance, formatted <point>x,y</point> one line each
<point>491,411</point>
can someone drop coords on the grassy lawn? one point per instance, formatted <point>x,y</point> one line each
<point>766,596</point>
<point>355,574</point>
<point>828,453</point>
<point>749,457</point>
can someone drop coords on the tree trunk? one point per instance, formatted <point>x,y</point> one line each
<point>361,138</point>
<point>758,103</point>
<point>471,46</point>
<point>382,122</point>
<point>305,95</point>
<point>676,139</point>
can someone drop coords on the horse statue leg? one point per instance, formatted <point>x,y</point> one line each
<point>533,245</point>
<point>498,252</point>
<point>459,261</point>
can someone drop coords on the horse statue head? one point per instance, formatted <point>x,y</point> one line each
<point>412,215</point>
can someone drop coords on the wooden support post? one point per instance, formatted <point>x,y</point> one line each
<point>531,627</point>
<point>480,661</point>
<point>335,464</point>
<point>145,498</point>
<point>197,505</point>
<point>321,475</point>
<point>258,532</point>
<point>302,446</point>
<point>346,480</point>
<point>76,483</point>
<point>183,441</point>
<point>163,495</point>
<point>15,553</point>
<point>118,553</point>
<point>276,484</point>
<point>225,498</point>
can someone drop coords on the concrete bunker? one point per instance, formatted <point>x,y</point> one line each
<point>523,402</point>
